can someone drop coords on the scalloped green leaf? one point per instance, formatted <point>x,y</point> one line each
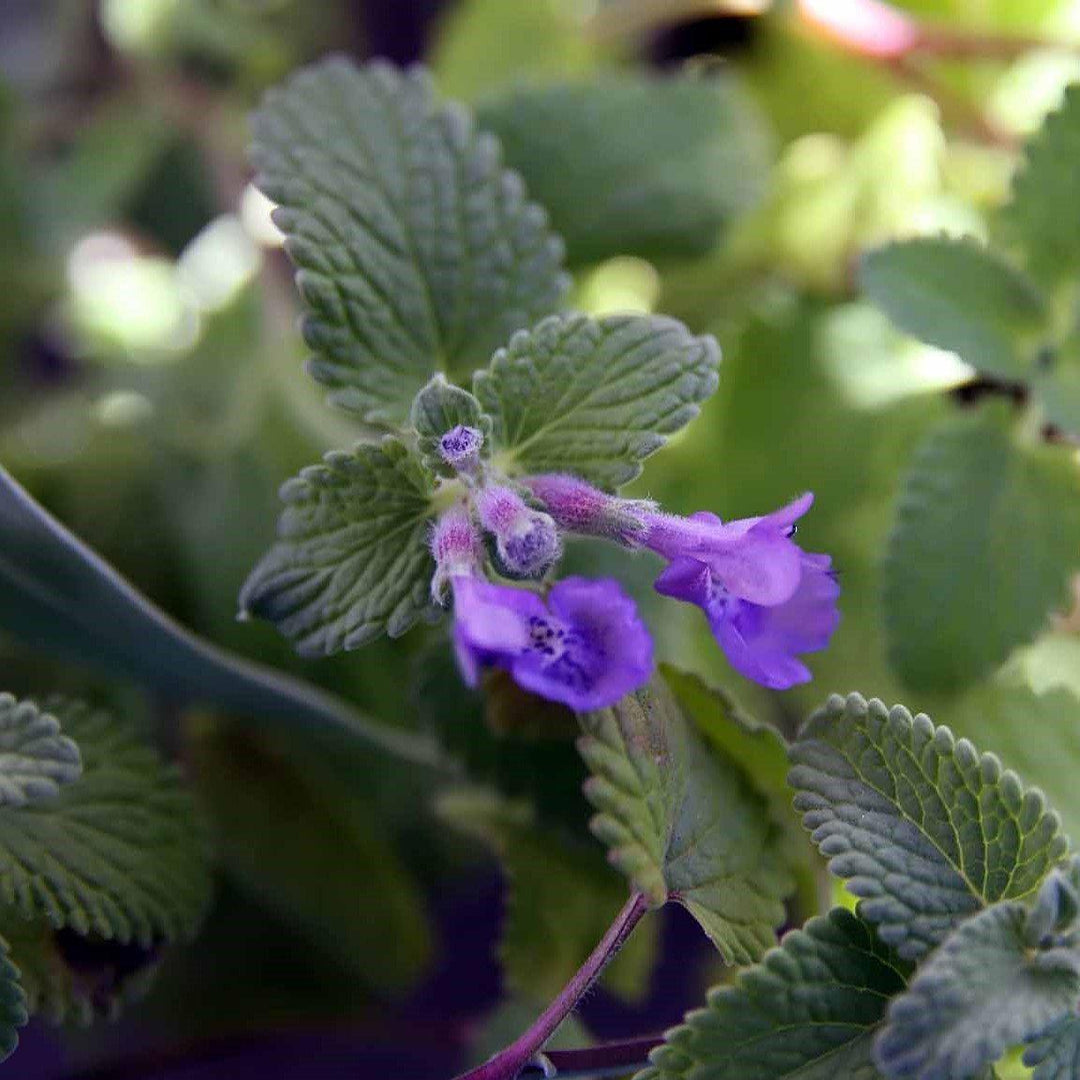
<point>923,827</point>
<point>13,1012</point>
<point>981,992</point>
<point>121,854</point>
<point>594,397</point>
<point>416,250</point>
<point>986,534</point>
<point>810,1010</point>
<point>561,900</point>
<point>958,295</point>
<point>35,757</point>
<point>70,979</point>
<point>682,822</point>
<point>1039,218</point>
<point>1055,1053</point>
<point>438,408</point>
<point>352,558</point>
<point>633,164</point>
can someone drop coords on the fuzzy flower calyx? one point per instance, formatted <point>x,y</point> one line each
<point>527,541</point>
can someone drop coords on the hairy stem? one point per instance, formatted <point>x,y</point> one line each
<point>508,1063</point>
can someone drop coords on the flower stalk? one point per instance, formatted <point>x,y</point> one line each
<point>508,1063</point>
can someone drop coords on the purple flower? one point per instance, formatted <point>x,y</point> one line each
<point>460,447</point>
<point>526,540</point>
<point>766,599</point>
<point>587,647</point>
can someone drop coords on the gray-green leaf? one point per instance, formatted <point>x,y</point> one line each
<point>987,532</point>
<point>981,992</point>
<point>1055,1053</point>
<point>920,824</point>
<point>682,822</point>
<point>35,758</point>
<point>958,295</point>
<point>1040,218</point>
<point>417,251</point>
<point>594,397</point>
<point>13,1014</point>
<point>808,1010</point>
<point>121,853</point>
<point>352,559</point>
<point>635,164</point>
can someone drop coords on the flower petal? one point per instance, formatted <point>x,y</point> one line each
<point>761,569</point>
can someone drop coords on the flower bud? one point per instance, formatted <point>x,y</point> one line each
<point>460,448</point>
<point>457,548</point>
<point>527,541</point>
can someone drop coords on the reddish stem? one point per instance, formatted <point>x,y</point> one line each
<point>508,1063</point>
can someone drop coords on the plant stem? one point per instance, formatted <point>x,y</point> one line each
<point>508,1063</point>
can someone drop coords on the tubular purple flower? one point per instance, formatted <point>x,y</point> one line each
<point>766,600</point>
<point>579,507</point>
<point>527,541</point>
<point>457,548</point>
<point>587,647</point>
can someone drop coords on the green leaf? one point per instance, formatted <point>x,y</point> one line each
<point>562,899</point>
<point>1055,1054</point>
<point>986,534</point>
<point>13,1013</point>
<point>682,823</point>
<point>70,979</point>
<point>808,1010</point>
<point>58,596</point>
<point>35,758</point>
<point>352,558</point>
<point>760,752</point>
<point>595,397</point>
<point>920,824</point>
<point>959,296</point>
<point>416,250</point>
<point>297,837</point>
<point>981,992</point>
<point>121,853</point>
<point>634,164</point>
<point>1039,219</point>
<point>439,407</point>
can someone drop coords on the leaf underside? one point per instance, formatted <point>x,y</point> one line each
<point>416,250</point>
<point>594,397</point>
<point>1055,1055</point>
<point>352,558</point>
<point>682,822</point>
<point>922,826</point>
<point>120,854</point>
<point>808,1010</point>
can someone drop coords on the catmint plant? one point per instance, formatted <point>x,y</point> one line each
<point>508,428</point>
